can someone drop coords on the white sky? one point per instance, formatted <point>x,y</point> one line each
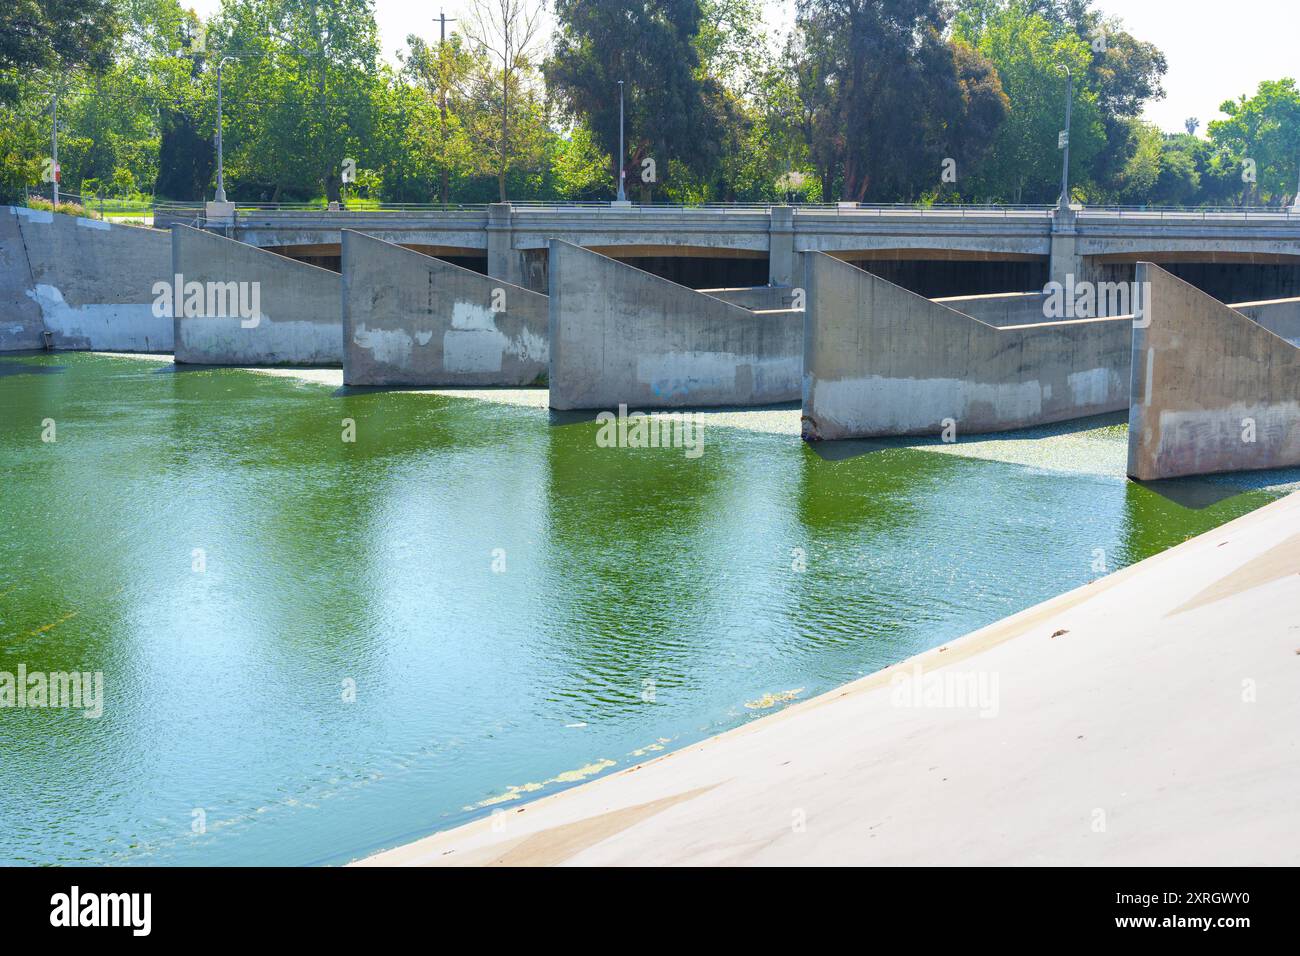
<point>1216,51</point>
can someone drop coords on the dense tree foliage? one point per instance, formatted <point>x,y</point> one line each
<point>871,100</point>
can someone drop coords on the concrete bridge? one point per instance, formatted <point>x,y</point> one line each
<point>1233,254</point>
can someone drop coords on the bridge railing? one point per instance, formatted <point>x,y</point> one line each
<point>1201,213</point>
<point>178,210</point>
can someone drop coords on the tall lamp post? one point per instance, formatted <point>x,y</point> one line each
<point>1065,140</point>
<point>54,149</point>
<point>221,169</point>
<point>622,157</point>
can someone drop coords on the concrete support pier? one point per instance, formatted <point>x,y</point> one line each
<point>1213,389</point>
<point>622,336</point>
<point>410,319</point>
<point>882,361</point>
<point>241,305</point>
<point>89,284</point>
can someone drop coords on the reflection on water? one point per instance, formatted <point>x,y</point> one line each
<point>516,608</point>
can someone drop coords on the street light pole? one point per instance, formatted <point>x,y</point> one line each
<point>221,169</point>
<point>622,158</point>
<point>1065,144</point>
<point>54,150</point>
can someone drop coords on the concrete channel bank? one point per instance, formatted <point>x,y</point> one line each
<point>1118,734</point>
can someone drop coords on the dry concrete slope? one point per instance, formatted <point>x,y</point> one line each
<point>880,360</point>
<point>410,319</point>
<point>1212,390</point>
<point>93,282</point>
<point>1148,718</point>
<point>763,298</point>
<point>1279,316</point>
<point>622,336</point>
<point>300,308</point>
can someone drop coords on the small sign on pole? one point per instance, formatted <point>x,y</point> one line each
<point>1063,139</point>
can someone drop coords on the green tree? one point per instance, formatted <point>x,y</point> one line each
<point>54,36</point>
<point>300,94</point>
<point>672,108</point>
<point>1030,53</point>
<point>510,123</point>
<point>891,101</point>
<point>1264,128</point>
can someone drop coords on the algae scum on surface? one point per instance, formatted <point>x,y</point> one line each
<point>314,648</point>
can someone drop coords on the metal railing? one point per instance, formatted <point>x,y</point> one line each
<point>847,210</point>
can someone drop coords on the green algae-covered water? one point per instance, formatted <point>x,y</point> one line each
<point>313,648</point>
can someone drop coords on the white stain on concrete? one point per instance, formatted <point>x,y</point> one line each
<point>473,343</point>
<point>391,346</point>
<point>530,347</point>
<point>1096,386</point>
<point>121,326</point>
<point>683,374</point>
<point>1211,439</point>
<point>879,405</point>
<point>223,340</point>
<point>93,224</point>
<point>33,215</point>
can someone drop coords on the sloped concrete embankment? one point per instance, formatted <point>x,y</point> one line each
<point>90,284</point>
<point>883,361</point>
<point>622,336</point>
<point>1213,390</point>
<point>298,318</point>
<point>763,298</point>
<point>410,319</point>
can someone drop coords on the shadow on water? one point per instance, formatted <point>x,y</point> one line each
<point>1192,493</point>
<point>17,368</point>
<point>846,449</point>
<point>345,390</point>
<point>1202,492</point>
<point>580,415</point>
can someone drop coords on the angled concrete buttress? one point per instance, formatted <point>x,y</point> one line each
<point>410,319</point>
<point>880,361</point>
<point>623,336</point>
<point>20,317</point>
<point>1213,389</point>
<point>297,308</point>
<point>93,282</point>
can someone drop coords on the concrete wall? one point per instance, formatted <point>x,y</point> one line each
<point>20,317</point>
<point>620,335</point>
<point>1015,308</point>
<point>409,319</point>
<point>763,298</point>
<point>879,360</point>
<point>300,319</point>
<point>1204,378</point>
<point>1279,316</point>
<point>92,282</point>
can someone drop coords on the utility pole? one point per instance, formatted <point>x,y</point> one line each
<point>442,97</point>
<point>622,156</point>
<point>54,149</point>
<point>1065,141</point>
